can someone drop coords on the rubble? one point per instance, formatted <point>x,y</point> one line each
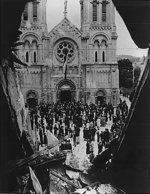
<point>99,189</point>
<point>78,159</point>
<point>60,182</point>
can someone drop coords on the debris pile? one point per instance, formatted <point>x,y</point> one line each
<point>78,159</point>
<point>99,189</point>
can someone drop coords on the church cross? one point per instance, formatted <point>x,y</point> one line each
<point>65,8</point>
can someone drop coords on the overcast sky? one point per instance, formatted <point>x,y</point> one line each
<point>125,44</point>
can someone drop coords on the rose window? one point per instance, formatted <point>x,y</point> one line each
<point>65,48</point>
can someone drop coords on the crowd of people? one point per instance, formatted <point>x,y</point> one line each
<point>74,119</point>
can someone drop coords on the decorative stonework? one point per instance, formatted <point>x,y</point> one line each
<point>85,35</point>
<point>32,28</point>
<point>64,28</point>
<point>63,47</point>
<point>101,28</point>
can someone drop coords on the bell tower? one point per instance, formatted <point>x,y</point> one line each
<point>99,60</point>
<point>97,13</point>
<point>99,30</point>
<point>34,15</point>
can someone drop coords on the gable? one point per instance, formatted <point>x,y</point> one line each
<point>64,29</point>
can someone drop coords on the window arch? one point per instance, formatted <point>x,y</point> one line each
<point>34,51</point>
<point>26,51</point>
<point>35,59</point>
<point>96,42</point>
<point>96,50</point>
<point>95,10</point>
<point>96,56</point>
<point>104,50</point>
<point>104,42</point>
<point>103,56</point>
<point>27,56</point>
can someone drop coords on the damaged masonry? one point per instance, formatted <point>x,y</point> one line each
<point>39,154</point>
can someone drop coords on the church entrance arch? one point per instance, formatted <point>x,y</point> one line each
<point>100,97</point>
<point>32,99</point>
<point>66,91</point>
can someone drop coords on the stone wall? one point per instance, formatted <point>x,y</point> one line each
<point>10,83</point>
<point>15,129</point>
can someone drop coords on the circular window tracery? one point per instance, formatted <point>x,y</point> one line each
<point>64,48</point>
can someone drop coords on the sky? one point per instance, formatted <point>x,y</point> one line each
<point>125,44</point>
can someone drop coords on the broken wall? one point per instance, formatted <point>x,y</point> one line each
<point>12,121</point>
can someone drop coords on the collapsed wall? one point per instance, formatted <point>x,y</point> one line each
<point>12,112</point>
<point>13,143</point>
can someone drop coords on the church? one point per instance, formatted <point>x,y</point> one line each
<point>67,63</point>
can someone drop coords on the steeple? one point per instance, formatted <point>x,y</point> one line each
<point>34,15</point>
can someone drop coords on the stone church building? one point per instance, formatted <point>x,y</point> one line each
<point>91,67</point>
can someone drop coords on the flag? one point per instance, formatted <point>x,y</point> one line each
<point>36,184</point>
<point>65,66</point>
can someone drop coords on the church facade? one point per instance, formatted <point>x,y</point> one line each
<point>68,64</point>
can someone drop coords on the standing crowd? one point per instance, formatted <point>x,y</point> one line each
<point>73,118</point>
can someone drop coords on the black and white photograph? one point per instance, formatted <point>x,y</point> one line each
<point>74,96</point>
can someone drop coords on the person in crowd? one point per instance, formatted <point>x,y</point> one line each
<point>87,147</point>
<point>74,119</point>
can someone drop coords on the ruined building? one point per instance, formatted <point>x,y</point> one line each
<point>91,71</point>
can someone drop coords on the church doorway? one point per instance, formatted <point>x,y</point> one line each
<point>65,96</point>
<point>100,97</point>
<point>100,100</point>
<point>32,103</point>
<point>66,91</point>
<point>32,99</point>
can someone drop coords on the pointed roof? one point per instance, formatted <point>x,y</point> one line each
<point>64,28</point>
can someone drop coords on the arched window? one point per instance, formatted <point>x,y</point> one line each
<point>95,56</point>
<point>27,56</point>
<point>35,10</point>
<point>26,51</point>
<point>103,56</point>
<point>34,51</point>
<point>94,10</point>
<point>34,57</point>
<point>104,3</point>
<point>104,50</point>
<point>25,12</point>
<point>96,50</point>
